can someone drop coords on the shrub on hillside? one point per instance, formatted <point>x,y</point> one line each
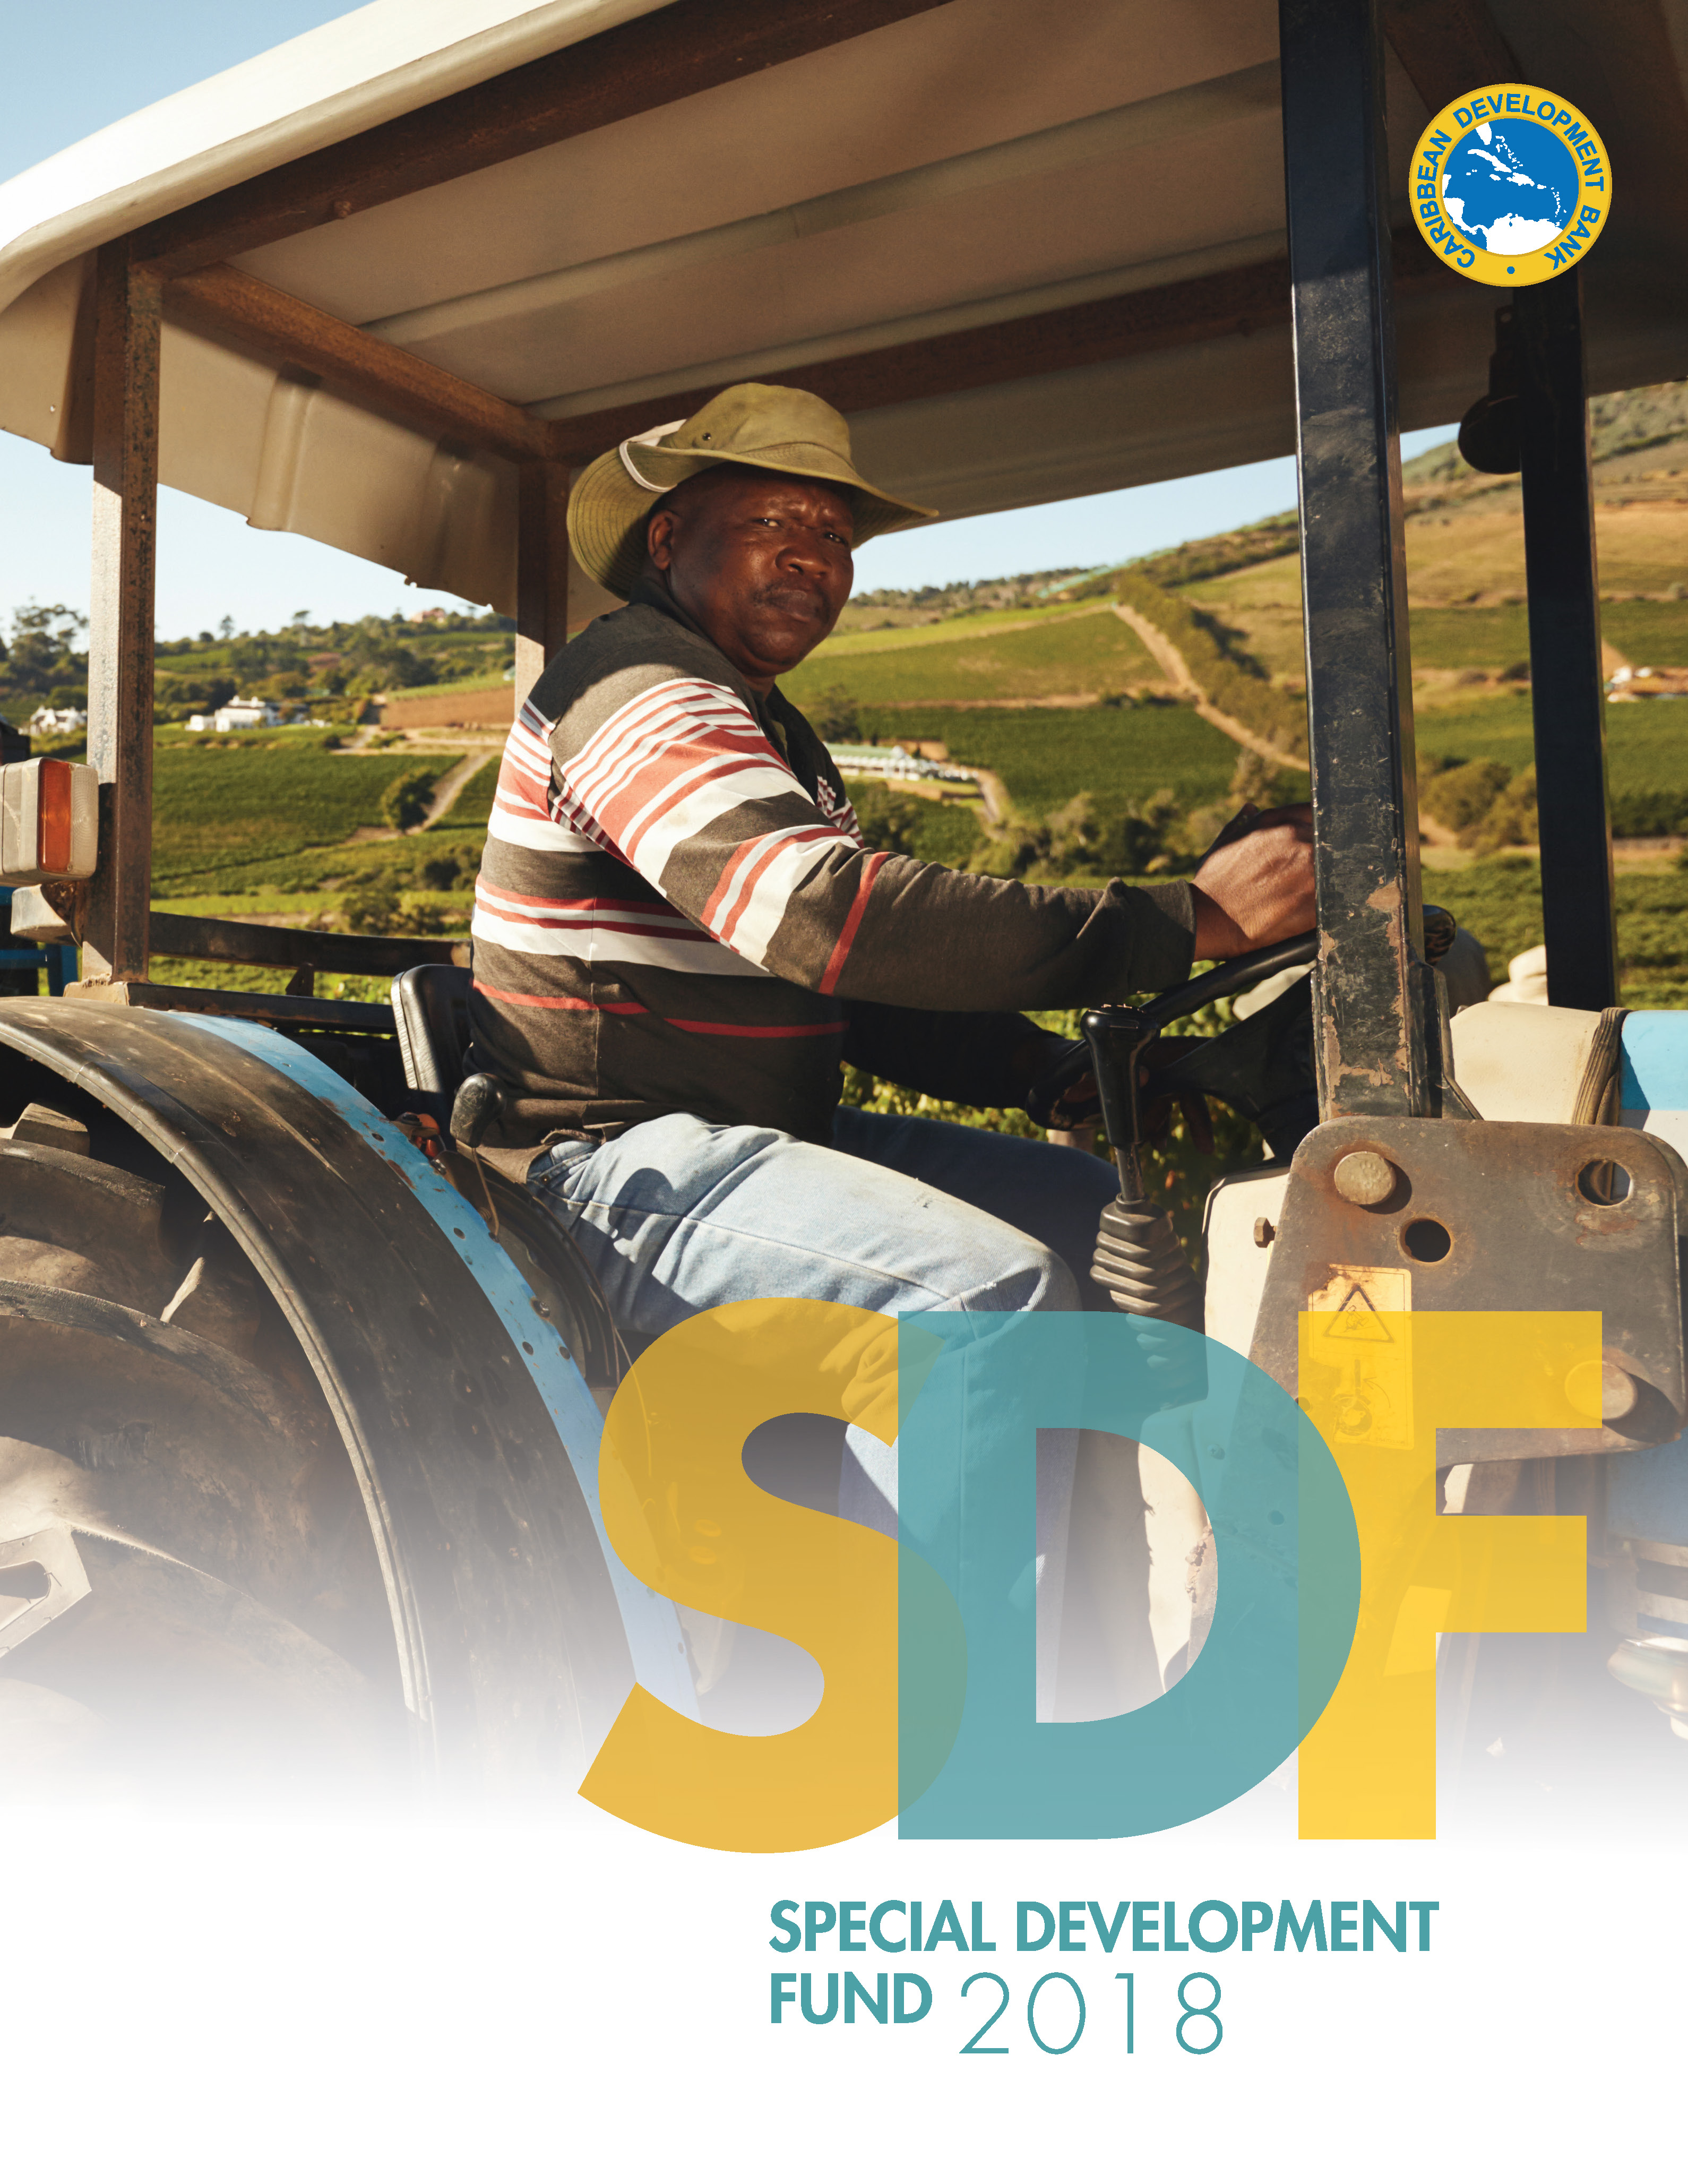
<point>1510,822</point>
<point>834,715</point>
<point>340,712</point>
<point>372,904</point>
<point>174,694</point>
<point>915,825</point>
<point>374,660</point>
<point>1642,812</point>
<point>1141,835</point>
<point>252,658</point>
<point>1233,550</point>
<point>1461,794</point>
<point>449,872</point>
<point>1131,838</point>
<point>1256,780</point>
<point>407,801</point>
<point>375,904</point>
<point>284,689</point>
<point>41,660</point>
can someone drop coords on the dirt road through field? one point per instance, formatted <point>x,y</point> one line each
<point>450,785</point>
<point>1176,668</point>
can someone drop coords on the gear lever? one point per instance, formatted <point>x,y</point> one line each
<point>1138,1260</point>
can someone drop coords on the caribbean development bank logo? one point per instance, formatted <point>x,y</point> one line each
<point>1510,185</point>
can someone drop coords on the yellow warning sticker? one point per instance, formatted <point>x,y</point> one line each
<point>1359,1347</point>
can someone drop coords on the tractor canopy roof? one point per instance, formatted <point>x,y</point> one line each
<point>1031,252</point>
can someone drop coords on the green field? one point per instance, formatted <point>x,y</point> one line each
<point>1499,898</point>
<point>1469,637</point>
<point>1048,755</point>
<point>1497,727</point>
<point>1646,752</point>
<point>224,807</point>
<point>1069,653</point>
<point>956,629</point>
<point>1263,606</point>
<point>1651,633</point>
<point>462,684</point>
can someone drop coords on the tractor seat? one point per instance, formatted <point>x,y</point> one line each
<point>1539,1064</point>
<point>430,1009</point>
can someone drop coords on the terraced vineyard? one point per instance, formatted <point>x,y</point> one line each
<point>1062,653</point>
<point>227,808</point>
<point>1044,758</point>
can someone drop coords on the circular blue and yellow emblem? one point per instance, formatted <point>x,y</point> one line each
<point>1511,185</point>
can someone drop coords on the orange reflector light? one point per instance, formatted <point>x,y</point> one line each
<point>52,816</point>
<point>49,821</point>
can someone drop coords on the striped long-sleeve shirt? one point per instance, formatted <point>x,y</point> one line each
<point>676,912</point>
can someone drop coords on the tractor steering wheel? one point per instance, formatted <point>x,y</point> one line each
<point>1232,978</point>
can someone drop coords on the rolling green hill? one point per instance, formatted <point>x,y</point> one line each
<point>1059,654</point>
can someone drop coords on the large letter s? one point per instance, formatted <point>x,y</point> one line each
<point>683,1516</point>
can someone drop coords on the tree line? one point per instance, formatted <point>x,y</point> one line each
<point>45,660</point>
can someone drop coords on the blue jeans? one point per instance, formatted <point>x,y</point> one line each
<point>899,1214</point>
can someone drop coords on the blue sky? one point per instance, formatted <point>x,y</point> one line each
<point>77,65</point>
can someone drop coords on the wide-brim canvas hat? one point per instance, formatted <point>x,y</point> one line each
<point>766,428</point>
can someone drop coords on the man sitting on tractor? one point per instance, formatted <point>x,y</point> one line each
<point>680,933</point>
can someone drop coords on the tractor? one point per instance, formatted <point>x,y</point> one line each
<point>299,1429</point>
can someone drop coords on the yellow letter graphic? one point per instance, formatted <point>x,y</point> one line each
<point>1378,1387</point>
<point>687,1520</point>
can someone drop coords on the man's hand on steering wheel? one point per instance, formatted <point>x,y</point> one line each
<point>1253,888</point>
<point>1256,884</point>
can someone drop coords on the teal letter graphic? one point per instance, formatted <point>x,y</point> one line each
<point>977,1386</point>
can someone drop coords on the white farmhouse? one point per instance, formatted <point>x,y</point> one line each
<point>238,713</point>
<point>895,764</point>
<point>59,721</point>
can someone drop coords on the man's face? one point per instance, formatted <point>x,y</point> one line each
<point>760,562</point>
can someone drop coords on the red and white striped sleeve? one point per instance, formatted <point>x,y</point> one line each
<point>682,783</point>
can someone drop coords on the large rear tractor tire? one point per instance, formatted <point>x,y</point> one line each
<point>189,1590</point>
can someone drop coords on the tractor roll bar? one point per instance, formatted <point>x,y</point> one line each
<point>1367,984</point>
